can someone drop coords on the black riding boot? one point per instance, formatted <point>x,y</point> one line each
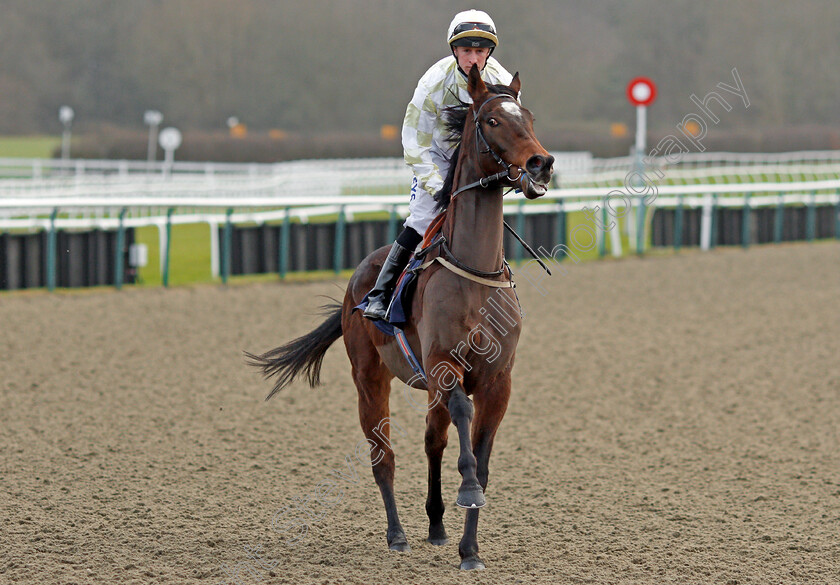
<point>380,296</point>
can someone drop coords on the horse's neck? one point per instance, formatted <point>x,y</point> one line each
<point>474,229</point>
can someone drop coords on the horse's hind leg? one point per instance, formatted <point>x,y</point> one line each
<point>490,407</point>
<point>437,429</point>
<point>373,382</point>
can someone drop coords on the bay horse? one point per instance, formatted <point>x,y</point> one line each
<point>445,327</point>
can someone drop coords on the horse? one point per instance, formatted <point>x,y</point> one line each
<point>464,354</point>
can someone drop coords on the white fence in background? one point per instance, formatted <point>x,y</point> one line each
<point>566,161</point>
<point>254,206</point>
<point>84,194</point>
<point>316,179</point>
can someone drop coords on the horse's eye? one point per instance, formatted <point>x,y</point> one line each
<point>493,122</point>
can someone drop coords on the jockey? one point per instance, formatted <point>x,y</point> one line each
<point>472,39</point>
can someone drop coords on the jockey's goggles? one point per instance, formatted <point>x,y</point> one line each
<point>474,34</point>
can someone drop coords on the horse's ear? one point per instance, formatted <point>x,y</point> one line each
<point>476,87</point>
<point>515,84</point>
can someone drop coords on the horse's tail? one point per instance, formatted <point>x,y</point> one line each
<point>304,354</point>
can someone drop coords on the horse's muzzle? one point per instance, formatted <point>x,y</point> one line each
<point>538,169</point>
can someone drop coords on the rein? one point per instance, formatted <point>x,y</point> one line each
<point>454,260</point>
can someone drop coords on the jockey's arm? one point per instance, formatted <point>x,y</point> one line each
<point>421,119</point>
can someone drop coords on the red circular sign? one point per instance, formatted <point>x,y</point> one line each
<point>641,91</point>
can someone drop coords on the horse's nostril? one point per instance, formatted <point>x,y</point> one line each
<point>536,164</point>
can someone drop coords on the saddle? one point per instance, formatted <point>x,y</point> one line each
<point>397,315</point>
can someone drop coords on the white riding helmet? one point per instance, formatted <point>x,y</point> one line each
<point>472,28</point>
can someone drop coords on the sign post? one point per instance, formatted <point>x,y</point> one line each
<point>170,140</point>
<point>641,92</point>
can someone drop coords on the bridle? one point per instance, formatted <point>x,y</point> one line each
<point>485,182</point>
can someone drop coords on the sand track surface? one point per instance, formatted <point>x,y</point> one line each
<point>674,419</point>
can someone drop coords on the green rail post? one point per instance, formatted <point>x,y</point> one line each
<point>714,227</point>
<point>283,247</point>
<point>745,222</point>
<point>779,219</point>
<point>678,223</point>
<point>561,225</point>
<point>811,217</point>
<point>520,228</point>
<point>338,250</point>
<point>118,261</point>
<point>227,244</point>
<point>51,252</point>
<point>640,227</point>
<point>392,224</point>
<point>837,216</point>
<point>602,242</point>
<point>167,249</point>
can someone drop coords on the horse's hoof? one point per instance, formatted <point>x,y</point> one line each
<point>471,498</point>
<point>472,564</point>
<point>437,535</point>
<point>399,544</point>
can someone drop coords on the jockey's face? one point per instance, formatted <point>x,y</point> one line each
<point>469,56</point>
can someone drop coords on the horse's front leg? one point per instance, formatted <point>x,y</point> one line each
<point>470,494</point>
<point>490,404</point>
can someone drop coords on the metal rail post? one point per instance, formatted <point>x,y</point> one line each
<point>837,217</point>
<point>811,218</point>
<point>120,256</point>
<point>745,222</point>
<point>779,219</point>
<point>561,224</point>
<point>392,224</point>
<point>283,247</point>
<point>640,227</point>
<point>338,249</point>
<point>51,252</point>
<point>227,243</point>
<point>602,233</point>
<point>167,249</point>
<point>714,228</point>
<point>678,223</point>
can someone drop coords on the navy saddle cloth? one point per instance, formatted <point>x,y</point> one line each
<point>400,301</point>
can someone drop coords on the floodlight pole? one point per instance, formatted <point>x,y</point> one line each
<point>65,143</point>
<point>65,116</point>
<point>152,118</point>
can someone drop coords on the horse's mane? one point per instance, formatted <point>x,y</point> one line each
<point>454,119</point>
